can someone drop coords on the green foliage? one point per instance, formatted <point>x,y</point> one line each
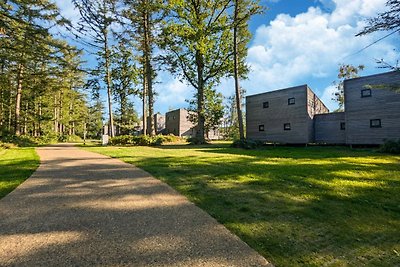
<point>29,141</point>
<point>195,140</point>
<point>345,72</point>
<point>197,40</point>
<point>213,110</point>
<point>40,75</point>
<point>391,146</point>
<point>247,143</point>
<point>143,140</point>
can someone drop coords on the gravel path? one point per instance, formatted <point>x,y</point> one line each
<point>84,209</point>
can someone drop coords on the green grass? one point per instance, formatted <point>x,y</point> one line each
<point>16,165</point>
<point>314,206</point>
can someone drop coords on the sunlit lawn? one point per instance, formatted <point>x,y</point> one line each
<point>315,206</point>
<point>16,165</point>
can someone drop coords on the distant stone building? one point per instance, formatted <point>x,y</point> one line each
<point>177,123</point>
<point>159,123</point>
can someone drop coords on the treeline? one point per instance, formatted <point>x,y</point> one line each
<point>42,79</point>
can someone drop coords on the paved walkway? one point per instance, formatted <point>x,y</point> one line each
<point>84,209</point>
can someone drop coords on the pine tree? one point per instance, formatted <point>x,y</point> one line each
<point>144,17</point>
<point>95,23</point>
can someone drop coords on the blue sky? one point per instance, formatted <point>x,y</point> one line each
<point>294,42</point>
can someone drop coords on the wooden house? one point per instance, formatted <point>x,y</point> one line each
<point>283,116</point>
<point>177,123</point>
<point>372,108</point>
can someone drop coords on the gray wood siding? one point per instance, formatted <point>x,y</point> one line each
<point>177,123</point>
<point>277,114</point>
<point>383,104</point>
<point>159,123</point>
<point>314,107</point>
<point>172,122</point>
<point>186,127</point>
<point>327,128</point>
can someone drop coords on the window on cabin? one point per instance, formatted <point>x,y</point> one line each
<point>261,128</point>
<point>375,123</point>
<point>342,126</point>
<point>366,93</point>
<point>286,127</point>
<point>266,104</point>
<point>291,101</point>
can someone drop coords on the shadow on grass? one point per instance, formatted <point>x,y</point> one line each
<point>297,206</point>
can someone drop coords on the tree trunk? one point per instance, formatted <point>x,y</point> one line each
<point>200,97</point>
<point>26,118</point>
<point>149,72</point>
<point>55,114</point>
<point>144,102</point>
<point>108,82</point>
<point>18,99</point>
<point>9,111</point>
<point>236,72</point>
<point>40,116</point>
<point>60,112</point>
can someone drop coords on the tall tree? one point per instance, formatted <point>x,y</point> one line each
<point>346,71</point>
<point>144,16</point>
<point>125,75</point>
<point>197,41</point>
<point>96,19</point>
<point>25,26</point>
<point>243,10</point>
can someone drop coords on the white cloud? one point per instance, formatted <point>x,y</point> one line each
<point>172,94</point>
<point>309,47</point>
<point>327,97</point>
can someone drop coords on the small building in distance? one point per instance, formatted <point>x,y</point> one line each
<point>283,116</point>
<point>177,123</point>
<point>372,108</point>
<point>159,123</point>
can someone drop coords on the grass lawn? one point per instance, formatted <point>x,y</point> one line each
<point>304,206</point>
<point>16,165</point>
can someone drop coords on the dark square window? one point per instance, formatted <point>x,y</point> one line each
<point>266,104</point>
<point>286,127</point>
<point>291,101</point>
<point>342,126</point>
<point>366,93</point>
<point>261,128</point>
<point>375,123</point>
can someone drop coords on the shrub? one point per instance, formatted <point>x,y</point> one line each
<point>142,140</point>
<point>247,143</point>
<point>122,140</point>
<point>73,138</point>
<point>195,141</point>
<point>7,145</point>
<point>391,146</point>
